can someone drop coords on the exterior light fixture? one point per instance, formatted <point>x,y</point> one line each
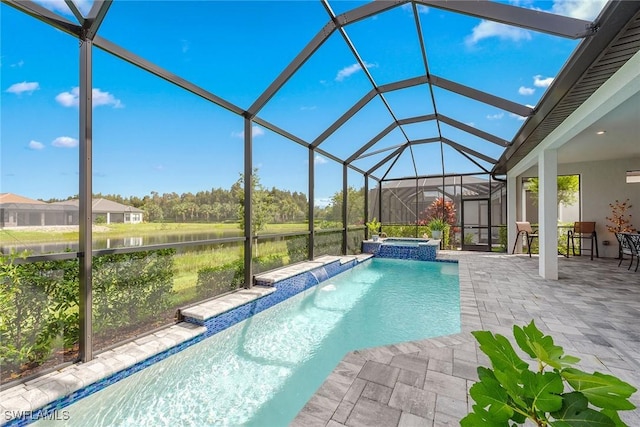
<point>601,132</point>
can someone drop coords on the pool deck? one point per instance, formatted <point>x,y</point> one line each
<point>592,311</point>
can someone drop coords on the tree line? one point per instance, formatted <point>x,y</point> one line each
<point>227,205</point>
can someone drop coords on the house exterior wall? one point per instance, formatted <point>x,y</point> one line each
<point>601,183</point>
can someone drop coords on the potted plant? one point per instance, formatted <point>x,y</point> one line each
<point>436,227</point>
<point>374,227</point>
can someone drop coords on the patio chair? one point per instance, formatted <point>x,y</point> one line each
<point>629,244</point>
<point>582,231</point>
<point>524,227</point>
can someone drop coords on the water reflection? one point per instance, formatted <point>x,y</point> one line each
<point>113,243</point>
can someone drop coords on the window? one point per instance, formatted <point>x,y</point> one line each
<point>633,177</point>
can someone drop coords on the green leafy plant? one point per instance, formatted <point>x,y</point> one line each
<point>555,394</point>
<point>374,226</point>
<point>437,224</point>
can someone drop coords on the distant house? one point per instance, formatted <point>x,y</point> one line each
<point>20,211</point>
<point>111,212</point>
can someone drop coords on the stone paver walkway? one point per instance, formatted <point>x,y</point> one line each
<point>592,311</point>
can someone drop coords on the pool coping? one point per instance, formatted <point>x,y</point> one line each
<point>47,395</point>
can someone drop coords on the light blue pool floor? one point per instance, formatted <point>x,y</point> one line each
<point>592,311</point>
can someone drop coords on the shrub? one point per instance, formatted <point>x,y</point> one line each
<point>556,394</point>
<point>220,279</point>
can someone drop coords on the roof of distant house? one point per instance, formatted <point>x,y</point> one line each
<point>103,206</point>
<point>14,198</point>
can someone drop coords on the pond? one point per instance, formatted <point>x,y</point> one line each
<point>118,242</point>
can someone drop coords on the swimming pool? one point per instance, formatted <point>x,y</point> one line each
<point>263,370</point>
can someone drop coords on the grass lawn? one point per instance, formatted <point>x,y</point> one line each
<point>66,234</point>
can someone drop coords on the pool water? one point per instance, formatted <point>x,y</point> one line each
<point>261,372</point>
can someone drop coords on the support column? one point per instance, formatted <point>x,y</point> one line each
<point>512,211</point>
<point>312,233</point>
<point>248,204</point>
<point>85,242</point>
<point>366,205</point>
<point>548,213</point>
<point>345,200</point>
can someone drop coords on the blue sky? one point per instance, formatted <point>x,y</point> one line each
<point>149,135</point>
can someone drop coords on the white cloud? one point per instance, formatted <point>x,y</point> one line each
<point>20,88</point>
<point>18,64</point>
<point>319,160</point>
<point>496,116</point>
<point>322,202</point>
<point>539,81</point>
<point>581,9</point>
<point>256,131</point>
<point>526,90</point>
<point>422,10</point>
<point>517,117</point>
<point>71,99</point>
<point>185,45</point>
<point>35,145</point>
<point>60,6</point>
<point>308,108</point>
<point>65,142</point>
<point>351,69</point>
<point>487,29</point>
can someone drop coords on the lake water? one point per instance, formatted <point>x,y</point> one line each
<point>13,242</point>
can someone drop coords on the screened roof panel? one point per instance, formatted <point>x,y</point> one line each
<point>388,140</point>
<point>480,115</point>
<point>421,130</point>
<point>323,89</point>
<point>471,141</point>
<point>61,8</point>
<point>410,102</point>
<point>508,61</point>
<point>360,128</point>
<point>428,158</point>
<point>403,166</point>
<point>232,49</point>
<point>394,52</point>
<point>457,163</point>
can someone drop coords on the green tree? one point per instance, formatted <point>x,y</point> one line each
<point>262,203</point>
<point>568,187</point>
<point>152,211</point>
<point>355,206</point>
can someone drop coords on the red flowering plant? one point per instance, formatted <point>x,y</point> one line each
<point>439,209</point>
<point>619,221</point>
